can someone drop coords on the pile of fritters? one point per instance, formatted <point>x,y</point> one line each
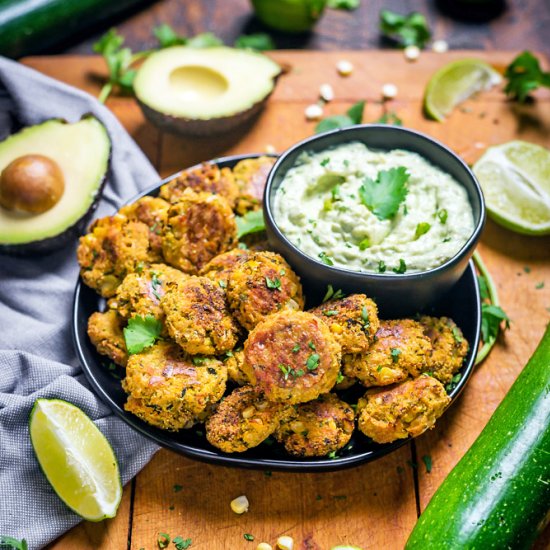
<point>236,350</point>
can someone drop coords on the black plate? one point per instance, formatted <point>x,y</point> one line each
<point>461,304</point>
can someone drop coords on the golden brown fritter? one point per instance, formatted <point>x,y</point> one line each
<point>292,356</point>
<point>318,427</point>
<point>234,363</point>
<point>197,317</point>
<point>168,388</point>
<point>262,285</point>
<point>251,176</point>
<point>106,334</point>
<point>243,420</point>
<point>140,292</point>
<point>407,409</point>
<point>353,321</point>
<point>200,226</point>
<point>153,212</point>
<point>113,248</point>
<point>208,178</point>
<point>400,349</point>
<point>449,347</point>
<point>345,382</point>
<point>223,265</point>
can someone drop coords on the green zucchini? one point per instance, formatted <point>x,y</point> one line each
<point>32,26</point>
<point>498,495</point>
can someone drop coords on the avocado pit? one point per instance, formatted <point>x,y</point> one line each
<point>193,83</point>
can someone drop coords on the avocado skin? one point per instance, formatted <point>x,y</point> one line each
<point>71,233</point>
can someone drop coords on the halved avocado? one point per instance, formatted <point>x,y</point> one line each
<point>204,91</point>
<point>82,152</point>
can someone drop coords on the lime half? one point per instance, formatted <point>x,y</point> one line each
<point>76,459</point>
<point>456,82</point>
<point>515,178</point>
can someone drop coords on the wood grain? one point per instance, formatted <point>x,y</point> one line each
<point>380,504</point>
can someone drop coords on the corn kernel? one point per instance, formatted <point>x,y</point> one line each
<point>326,92</point>
<point>264,546</point>
<point>336,328</point>
<point>313,112</point>
<point>440,46</point>
<point>389,91</point>
<point>239,505</point>
<point>248,412</point>
<point>411,53</point>
<point>344,67</point>
<point>285,543</point>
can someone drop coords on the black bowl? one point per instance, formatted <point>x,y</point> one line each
<point>396,295</point>
<point>462,304</point>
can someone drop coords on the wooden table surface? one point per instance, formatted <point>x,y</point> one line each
<point>374,506</point>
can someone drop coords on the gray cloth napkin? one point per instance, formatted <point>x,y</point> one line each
<point>37,358</point>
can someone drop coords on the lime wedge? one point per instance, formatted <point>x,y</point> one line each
<point>515,178</point>
<point>456,82</point>
<point>76,459</point>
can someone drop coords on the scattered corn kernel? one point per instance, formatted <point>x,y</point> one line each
<point>344,67</point>
<point>326,92</point>
<point>336,328</point>
<point>239,505</point>
<point>248,412</point>
<point>411,53</point>
<point>285,543</point>
<point>440,46</point>
<point>264,546</point>
<point>314,112</point>
<point>389,91</point>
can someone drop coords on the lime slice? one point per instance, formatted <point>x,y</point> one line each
<point>515,178</point>
<point>76,459</point>
<point>456,82</point>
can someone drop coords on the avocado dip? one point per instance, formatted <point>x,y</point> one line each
<point>373,211</point>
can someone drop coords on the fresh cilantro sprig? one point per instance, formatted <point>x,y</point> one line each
<point>141,332</point>
<point>493,317</point>
<point>354,115</point>
<point>251,222</point>
<point>383,195</point>
<point>525,75</point>
<point>260,42</point>
<point>10,542</point>
<point>389,117</point>
<point>405,30</point>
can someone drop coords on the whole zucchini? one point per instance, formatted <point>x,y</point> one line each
<point>498,495</point>
<point>32,26</point>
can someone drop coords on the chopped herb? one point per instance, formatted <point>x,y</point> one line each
<point>311,345</point>
<point>427,459</point>
<point>527,269</point>
<point>296,348</point>
<point>525,75</point>
<point>312,361</point>
<point>324,162</point>
<point>335,192</point>
<point>364,244</point>
<point>540,285</point>
<point>222,284</point>
<point>141,333</point>
<point>389,118</point>
<point>401,268</point>
<point>483,289</point>
<point>365,316</point>
<point>326,259</point>
<point>457,335</point>
<point>177,488</point>
<point>251,222</point>
<point>229,353</point>
<point>354,115</point>
<point>332,294</point>
<point>330,312</point>
<point>248,536</point>
<point>405,30</point>
<point>453,383</point>
<point>443,215</point>
<point>340,377</point>
<point>343,4</point>
<point>198,361</point>
<point>378,368</point>
<point>421,229</point>
<point>163,540</point>
<point>273,284</point>
<point>332,455</point>
<point>285,370</point>
<point>139,267</point>
<point>156,283</point>
<point>491,318</point>
<point>10,542</point>
<point>260,41</point>
<point>384,195</point>
<point>395,353</point>
<point>282,272</point>
<point>181,544</point>
<point>381,266</point>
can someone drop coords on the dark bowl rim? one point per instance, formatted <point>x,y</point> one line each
<point>315,465</point>
<point>387,277</point>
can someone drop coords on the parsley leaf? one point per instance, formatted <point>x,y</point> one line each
<point>384,195</point>
<point>405,30</point>
<point>525,75</point>
<point>15,544</point>
<point>259,42</point>
<point>141,333</point>
<point>182,544</point>
<point>251,222</point>
<point>491,318</point>
<point>354,115</point>
<point>343,4</point>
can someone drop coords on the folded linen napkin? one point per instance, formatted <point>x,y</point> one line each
<point>37,358</point>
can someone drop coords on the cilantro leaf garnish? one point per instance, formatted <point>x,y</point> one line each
<point>332,294</point>
<point>524,75</point>
<point>491,318</point>
<point>395,353</point>
<point>10,542</point>
<point>343,4</point>
<point>381,266</point>
<point>365,316</point>
<point>384,195</point>
<point>389,117</point>
<point>364,244</point>
<point>181,544</point>
<point>405,30</point>
<point>168,37</point>
<point>421,229</point>
<point>354,115</point>
<point>330,312</point>
<point>325,258</point>
<point>453,383</point>
<point>296,348</point>
<point>401,268</point>
<point>273,284</point>
<point>312,361</point>
<point>141,333</point>
<point>248,536</point>
<point>156,284</point>
<point>340,377</point>
<point>443,215</point>
<point>251,222</point>
<point>260,42</point>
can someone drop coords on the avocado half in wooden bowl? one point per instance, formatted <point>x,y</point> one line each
<point>51,177</point>
<point>204,91</point>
